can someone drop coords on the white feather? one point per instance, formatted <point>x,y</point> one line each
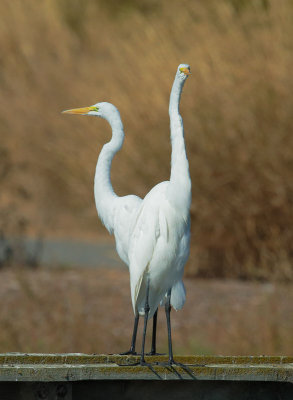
<point>152,235</point>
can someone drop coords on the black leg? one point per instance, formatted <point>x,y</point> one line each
<point>154,335</point>
<point>133,340</point>
<point>146,311</point>
<point>153,351</point>
<point>168,311</point>
<point>171,361</point>
<point>146,314</point>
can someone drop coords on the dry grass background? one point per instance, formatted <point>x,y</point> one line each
<point>237,110</point>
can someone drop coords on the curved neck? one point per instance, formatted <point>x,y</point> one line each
<point>179,163</point>
<point>104,193</point>
<point>175,96</point>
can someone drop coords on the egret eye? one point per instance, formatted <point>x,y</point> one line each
<point>185,70</point>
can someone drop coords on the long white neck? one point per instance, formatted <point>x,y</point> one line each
<point>104,193</point>
<point>180,182</point>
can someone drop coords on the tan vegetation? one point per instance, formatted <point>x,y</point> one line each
<point>237,109</point>
<point>78,311</point>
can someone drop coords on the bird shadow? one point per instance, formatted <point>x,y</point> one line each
<point>148,365</point>
<point>170,367</point>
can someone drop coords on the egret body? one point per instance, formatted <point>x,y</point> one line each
<point>152,234</point>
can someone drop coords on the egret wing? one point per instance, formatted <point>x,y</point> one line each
<point>149,227</point>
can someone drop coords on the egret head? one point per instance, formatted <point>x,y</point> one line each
<point>102,110</point>
<point>183,71</point>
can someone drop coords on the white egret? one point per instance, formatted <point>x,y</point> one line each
<point>152,235</point>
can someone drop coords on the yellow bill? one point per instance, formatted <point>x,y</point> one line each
<point>80,111</point>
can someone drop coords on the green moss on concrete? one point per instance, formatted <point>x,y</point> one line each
<point>70,367</point>
<point>79,358</point>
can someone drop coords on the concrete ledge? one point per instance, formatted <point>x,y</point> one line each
<point>18,367</point>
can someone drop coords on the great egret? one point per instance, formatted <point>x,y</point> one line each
<point>152,235</point>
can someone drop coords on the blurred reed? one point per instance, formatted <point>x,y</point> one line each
<point>237,110</point>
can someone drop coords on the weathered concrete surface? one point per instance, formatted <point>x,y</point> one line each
<point>83,367</point>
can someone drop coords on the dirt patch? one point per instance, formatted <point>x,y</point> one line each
<point>90,311</point>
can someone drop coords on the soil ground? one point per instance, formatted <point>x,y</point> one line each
<point>86,310</point>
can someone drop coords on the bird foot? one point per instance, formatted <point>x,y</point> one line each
<point>129,352</point>
<point>141,362</point>
<point>172,363</point>
<point>153,353</point>
<point>129,365</point>
<point>168,363</point>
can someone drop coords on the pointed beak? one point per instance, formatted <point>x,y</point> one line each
<point>186,71</point>
<point>80,111</point>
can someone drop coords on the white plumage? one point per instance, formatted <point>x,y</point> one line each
<point>152,235</point>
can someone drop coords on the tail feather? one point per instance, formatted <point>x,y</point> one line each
<point>178,296</point>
